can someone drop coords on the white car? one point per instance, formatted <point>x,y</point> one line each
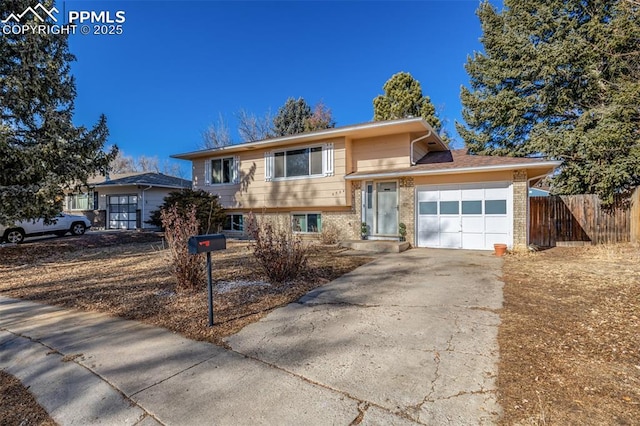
<point>59,225</point>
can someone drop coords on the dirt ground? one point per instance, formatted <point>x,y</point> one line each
<point>18,407</point>
<point>570,337</point>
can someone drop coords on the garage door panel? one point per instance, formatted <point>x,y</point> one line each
<point>472,194</point>
<point>449,224</point>
<point>496,224</point>
<point>429,233</point>
<point>450,240</point>
<point>496,193</point>
<point>450,195</point>
<point>473,241</point>
<point>428,196</point>
<point>473,224</point>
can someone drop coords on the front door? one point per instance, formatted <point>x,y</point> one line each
<point>387,208</point>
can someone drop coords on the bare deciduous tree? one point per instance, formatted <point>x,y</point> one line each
<point>217,135</point>
<point>253,128</point>
<point>128,164</point>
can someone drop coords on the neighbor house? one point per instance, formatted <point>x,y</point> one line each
<point>123,201</point>
<point>380,174</point>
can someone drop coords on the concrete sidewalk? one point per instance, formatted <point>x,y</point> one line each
<point>407,339</point>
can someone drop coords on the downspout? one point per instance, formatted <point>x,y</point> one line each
<point>413,163</point>
<point>143,204</point>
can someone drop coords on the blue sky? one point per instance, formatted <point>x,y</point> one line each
<point>179,64</point>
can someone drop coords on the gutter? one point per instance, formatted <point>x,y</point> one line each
<point>553,164</point>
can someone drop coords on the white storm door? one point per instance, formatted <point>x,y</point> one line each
<point>387,208</point>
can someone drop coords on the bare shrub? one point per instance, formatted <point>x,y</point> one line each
<point>330,234</point>
<point>281,255</point>
<point>179,226</point>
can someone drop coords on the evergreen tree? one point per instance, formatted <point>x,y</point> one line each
<point>291,117</point>
<point>209,212</point>
<point>403,98</point>
<point>41,152</point>
<point>560,79</point>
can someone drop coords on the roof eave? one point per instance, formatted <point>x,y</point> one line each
<point>107,185</point>
<point>551,164</point>
<point>335,132</point>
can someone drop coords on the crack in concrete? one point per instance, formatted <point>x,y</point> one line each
<point>362,410</point>
<point>426,399</point>
<point>482,391</point>
<point>357,305</point>
<point>361,403</point>
<point>173,375</point>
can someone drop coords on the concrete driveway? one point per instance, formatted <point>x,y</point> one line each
<point>413,334</point>
<point>407,339</point>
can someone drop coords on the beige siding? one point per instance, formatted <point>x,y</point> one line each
<point>254,192</point>
<point>153,199</point>
<point>380,153</point>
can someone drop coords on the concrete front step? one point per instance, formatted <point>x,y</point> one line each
<point>376,246</point>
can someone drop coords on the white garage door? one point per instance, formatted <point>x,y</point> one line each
<point>464,216</point>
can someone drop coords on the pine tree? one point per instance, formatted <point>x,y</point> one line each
<point>560,79</point>
<point>403,98</point>
<point>42,153</point>
<point>209,212</point>
<point>291,117</point>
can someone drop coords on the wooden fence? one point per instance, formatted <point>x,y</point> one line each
<point>569,219</point>
<point>635,216</point>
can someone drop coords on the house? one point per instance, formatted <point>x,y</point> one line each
<point>123,201</point>
<point>381,174</point>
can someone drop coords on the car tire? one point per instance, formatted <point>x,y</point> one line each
<point>14,235</point>
<point>78,228</point>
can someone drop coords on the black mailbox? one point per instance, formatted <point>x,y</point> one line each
<point>206,243</point>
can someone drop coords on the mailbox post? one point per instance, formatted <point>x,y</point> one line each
<point>207,244</point>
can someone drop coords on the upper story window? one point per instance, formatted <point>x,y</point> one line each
<point>218,171</point>
<point>313,161</point>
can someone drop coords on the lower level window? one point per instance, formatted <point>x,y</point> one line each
<point>308,222</point>
<point>83,201</point>
<point>233,222</point>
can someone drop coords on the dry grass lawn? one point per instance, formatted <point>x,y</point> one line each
<point>127,275</point>
<point>570,337</point>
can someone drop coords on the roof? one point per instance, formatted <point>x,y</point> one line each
<point>417,126</point>
<point>145,178</point>
<point>459,161</point>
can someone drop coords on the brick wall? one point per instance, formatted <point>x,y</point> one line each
<point>348,223</point>
<point>407,205</point>
<point>520,206</point>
